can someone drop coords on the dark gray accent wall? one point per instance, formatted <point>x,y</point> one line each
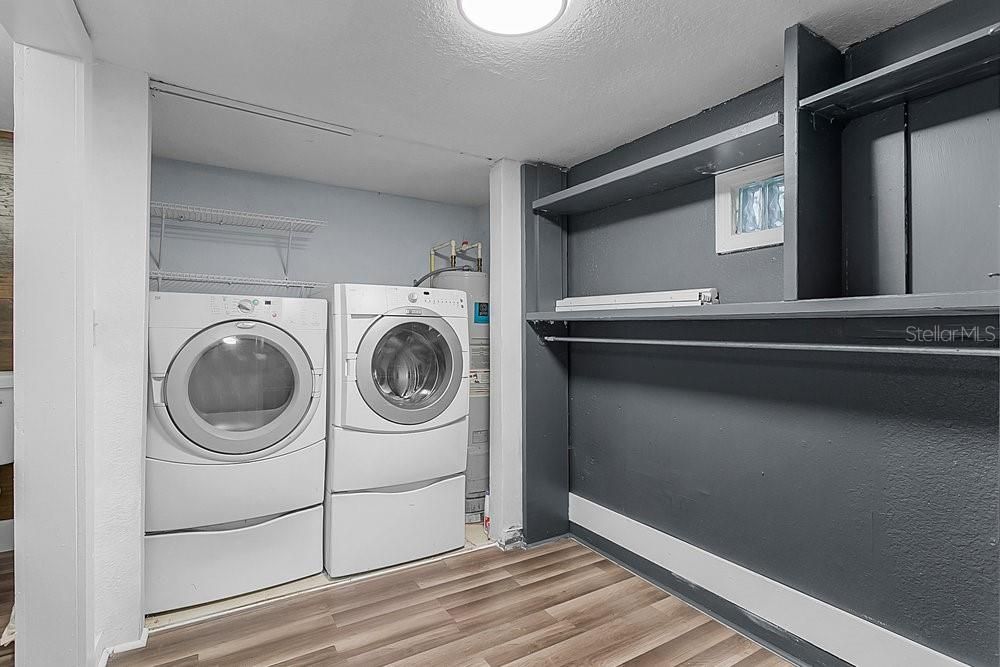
<point>873,201</point>
<point>667,240</point>
<point>663,242</point>
<point>941,24</point>
<point>869,482</point>
<point>747,107</point>
<point>923,177</point>
<point>955,177</point>
<point>813,233</point>
<point>546,367</point>
<point>866,481</point>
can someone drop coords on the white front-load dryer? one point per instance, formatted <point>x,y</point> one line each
<point>236,444</point>
<point>398,437</point>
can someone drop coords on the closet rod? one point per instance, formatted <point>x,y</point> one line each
<point>823,347</point>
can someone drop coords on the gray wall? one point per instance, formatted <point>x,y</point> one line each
<point>951,177</point>
<point>867,482</point>
<point>955,191</point>
<point>667,241</point>
<point>370,238</point>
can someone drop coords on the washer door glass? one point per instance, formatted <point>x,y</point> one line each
<point>239,387</point>
<point>414,368</point>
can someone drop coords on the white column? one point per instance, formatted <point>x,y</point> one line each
<point>52,348</point>
<point>118,166</point>
<point>506,350</point>
<point>81,193</point>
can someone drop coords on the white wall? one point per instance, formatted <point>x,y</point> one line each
<point>371,237</point>
<point>52,324</point>
<point>118,168</point>
<point>81,189</point>
<point>506,353</point>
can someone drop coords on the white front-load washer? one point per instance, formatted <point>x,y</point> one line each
<point>398,437</point>
<point>235,447</point>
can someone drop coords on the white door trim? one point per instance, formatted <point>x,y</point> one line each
<point>846,636</point>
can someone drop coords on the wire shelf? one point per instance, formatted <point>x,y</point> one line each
<point>233,280</point>
<point>226,217</point>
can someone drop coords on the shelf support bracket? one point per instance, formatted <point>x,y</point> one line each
<point>159,245</point>
<point>288,252</point>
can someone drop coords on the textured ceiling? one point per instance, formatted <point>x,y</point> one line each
<point>608,72</point>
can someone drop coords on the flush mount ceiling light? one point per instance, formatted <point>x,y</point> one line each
<point>512,17</point>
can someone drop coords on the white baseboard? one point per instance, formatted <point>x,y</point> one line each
<point>846,636</point>
<point>123,647</point>
<point>7,535</point>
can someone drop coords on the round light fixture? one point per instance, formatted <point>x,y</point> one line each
<point>512,17</point>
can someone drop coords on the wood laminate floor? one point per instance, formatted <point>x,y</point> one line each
<point>558,604</point>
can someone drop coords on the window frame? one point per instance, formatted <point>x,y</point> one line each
<point>727,184</point>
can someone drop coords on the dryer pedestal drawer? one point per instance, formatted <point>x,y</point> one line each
<point>370,530</point>
<point>194,567</point>
<point>185,495</point>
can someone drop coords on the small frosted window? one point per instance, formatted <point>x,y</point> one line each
<point>750,207</point>
<point>761,205</point>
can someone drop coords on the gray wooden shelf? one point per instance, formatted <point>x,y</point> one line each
<point>965,59</point>
<point>752,142</point>
<point>914,305</point>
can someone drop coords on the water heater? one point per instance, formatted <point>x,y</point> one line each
<point>476,285</point>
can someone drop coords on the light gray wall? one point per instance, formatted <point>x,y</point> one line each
<point>371,237</point>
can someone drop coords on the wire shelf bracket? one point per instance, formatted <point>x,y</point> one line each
<point>223,217</point>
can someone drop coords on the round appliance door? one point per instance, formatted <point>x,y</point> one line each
<point>239,387</point>
<point>409,369</point>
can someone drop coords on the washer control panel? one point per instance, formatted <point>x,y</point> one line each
<point>375,300</point>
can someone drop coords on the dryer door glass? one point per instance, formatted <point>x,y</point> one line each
<point>415,368</point>
<point>240,388</point>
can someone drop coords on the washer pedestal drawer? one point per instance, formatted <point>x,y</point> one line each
<point>194,567</point>
<point>362,460</point>
<point>374,529</point>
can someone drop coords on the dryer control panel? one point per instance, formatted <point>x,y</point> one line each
<point>310,313</point>
<point>191,310</point>
<point>250,307</point>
